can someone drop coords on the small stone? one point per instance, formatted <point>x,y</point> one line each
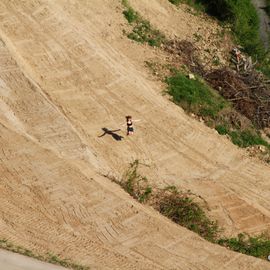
<point>191,76</point>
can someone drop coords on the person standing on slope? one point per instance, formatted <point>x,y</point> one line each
<point>130,129</point>
<point>129,123</point>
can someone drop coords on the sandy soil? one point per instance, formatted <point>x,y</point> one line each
<point>66,71</point>
<point>13,261</point>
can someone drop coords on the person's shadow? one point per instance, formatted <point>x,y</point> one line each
<point>112,133</point>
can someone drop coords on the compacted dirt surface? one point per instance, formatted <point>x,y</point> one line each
<point>66,72</point>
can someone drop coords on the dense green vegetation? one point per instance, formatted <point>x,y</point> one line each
<point>194,95</point>
<point>241,15</point>
<point>186,209</point>
<point>197,97</point>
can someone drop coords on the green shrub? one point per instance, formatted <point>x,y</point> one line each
<point>246,27</point>
<point>194,96</point>
<point>222,130</point>
<point>130,15</point>
<point>183,210</point>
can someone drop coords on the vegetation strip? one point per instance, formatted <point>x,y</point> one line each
<point>142,30</point>
<point>242,17</point>
<point>244,21</point>
<point>196,97</point>
<point>185,209</point>
<point>49,257</point>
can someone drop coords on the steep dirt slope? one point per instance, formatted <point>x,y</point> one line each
<point>63,47</point>
<point>47,204</point>
<point>53,201</point>
<point>66,71</point>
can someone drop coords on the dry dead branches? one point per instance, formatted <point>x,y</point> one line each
<point>248,92</point>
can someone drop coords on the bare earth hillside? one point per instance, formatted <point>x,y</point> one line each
<point>66,72</point>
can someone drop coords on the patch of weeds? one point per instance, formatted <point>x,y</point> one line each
<point>135,184</point>
<point>142,31</point>
<point>131,15</point>
<point>222,130</point>
<point>182,209</point>
<point>242,138</point>
<point>194,96</point>
<point>49,257</point>
<point>258,246</point>
<point>247,138</point>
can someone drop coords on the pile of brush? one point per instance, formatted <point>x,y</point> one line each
<point>249,93</point>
